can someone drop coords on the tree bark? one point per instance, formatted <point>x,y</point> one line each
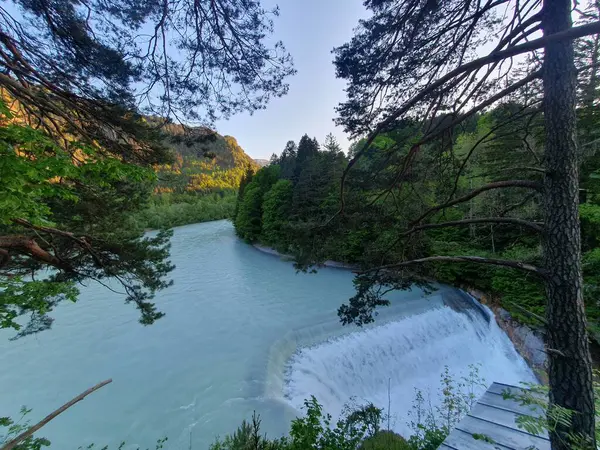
<point>570,364</point>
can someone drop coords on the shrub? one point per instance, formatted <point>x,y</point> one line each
<point>386,440</point>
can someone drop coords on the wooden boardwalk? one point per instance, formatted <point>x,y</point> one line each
<point>494,417</point>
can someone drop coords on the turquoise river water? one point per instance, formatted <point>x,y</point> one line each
<point>242,332</point>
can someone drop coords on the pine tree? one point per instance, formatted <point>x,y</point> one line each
<point>331,144</point>
<point>415,59</point>
<point>307,148</point>
<point>287,160</point>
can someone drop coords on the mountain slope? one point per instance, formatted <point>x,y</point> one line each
<point>205,161</point>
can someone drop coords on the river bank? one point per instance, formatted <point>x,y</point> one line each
<point>328,263</point>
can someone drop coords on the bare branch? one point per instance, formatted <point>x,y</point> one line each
<point>474,193</point>
<point>29,246</point>
<point>470,259</point>
<point>498,220</point>
<point>12,444</point>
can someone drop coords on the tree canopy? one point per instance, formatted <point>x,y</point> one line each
<point>95,66</point>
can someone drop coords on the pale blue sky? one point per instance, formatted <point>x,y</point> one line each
<point>310,29</point>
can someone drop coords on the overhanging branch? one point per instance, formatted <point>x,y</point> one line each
<point>28,246</point>
<point>430,136</point>
<point>570,34</point>
<point>81,241</point>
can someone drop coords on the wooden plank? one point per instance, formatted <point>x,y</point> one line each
<point>444,445</point>
<point>499,416</point>
<point>502,435</point>
<point>509,404</point>
<point>461,440</point>
<point>500,388</point>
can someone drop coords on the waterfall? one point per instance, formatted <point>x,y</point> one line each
<point>409,354</point>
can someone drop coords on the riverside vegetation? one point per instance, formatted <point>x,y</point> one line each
<point>460,158</point>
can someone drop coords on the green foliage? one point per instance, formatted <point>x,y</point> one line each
<point>519,288</point>
<point>34,171</point>
<point>35,298</point>
<point>248,221</point>
<point>248,437</point>
<point>552,417</point>
<point>9,430</point>
<point>205,162</point>
<point>283,212</point>
<point>431,426</point>
<point>382,196</point>
<point>277,206</point>
<point>359,427</point>
<point>314,430</point>
<point>66,218</point>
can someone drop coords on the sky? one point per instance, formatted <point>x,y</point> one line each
<point>309,29</point>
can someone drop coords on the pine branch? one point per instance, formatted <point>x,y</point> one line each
<point>570,34</point>
<point>430,136</point>
<point>496,56</point>
<point>29,246</point>
<point>82,241</point>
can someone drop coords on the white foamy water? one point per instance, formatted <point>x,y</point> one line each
<point>408,354</point>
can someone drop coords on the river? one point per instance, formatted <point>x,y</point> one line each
<point>242,332</point>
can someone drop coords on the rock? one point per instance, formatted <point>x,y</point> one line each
<point>503,314</point>
<point>528,342</point>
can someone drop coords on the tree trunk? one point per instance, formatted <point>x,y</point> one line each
<point>570,364</point>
